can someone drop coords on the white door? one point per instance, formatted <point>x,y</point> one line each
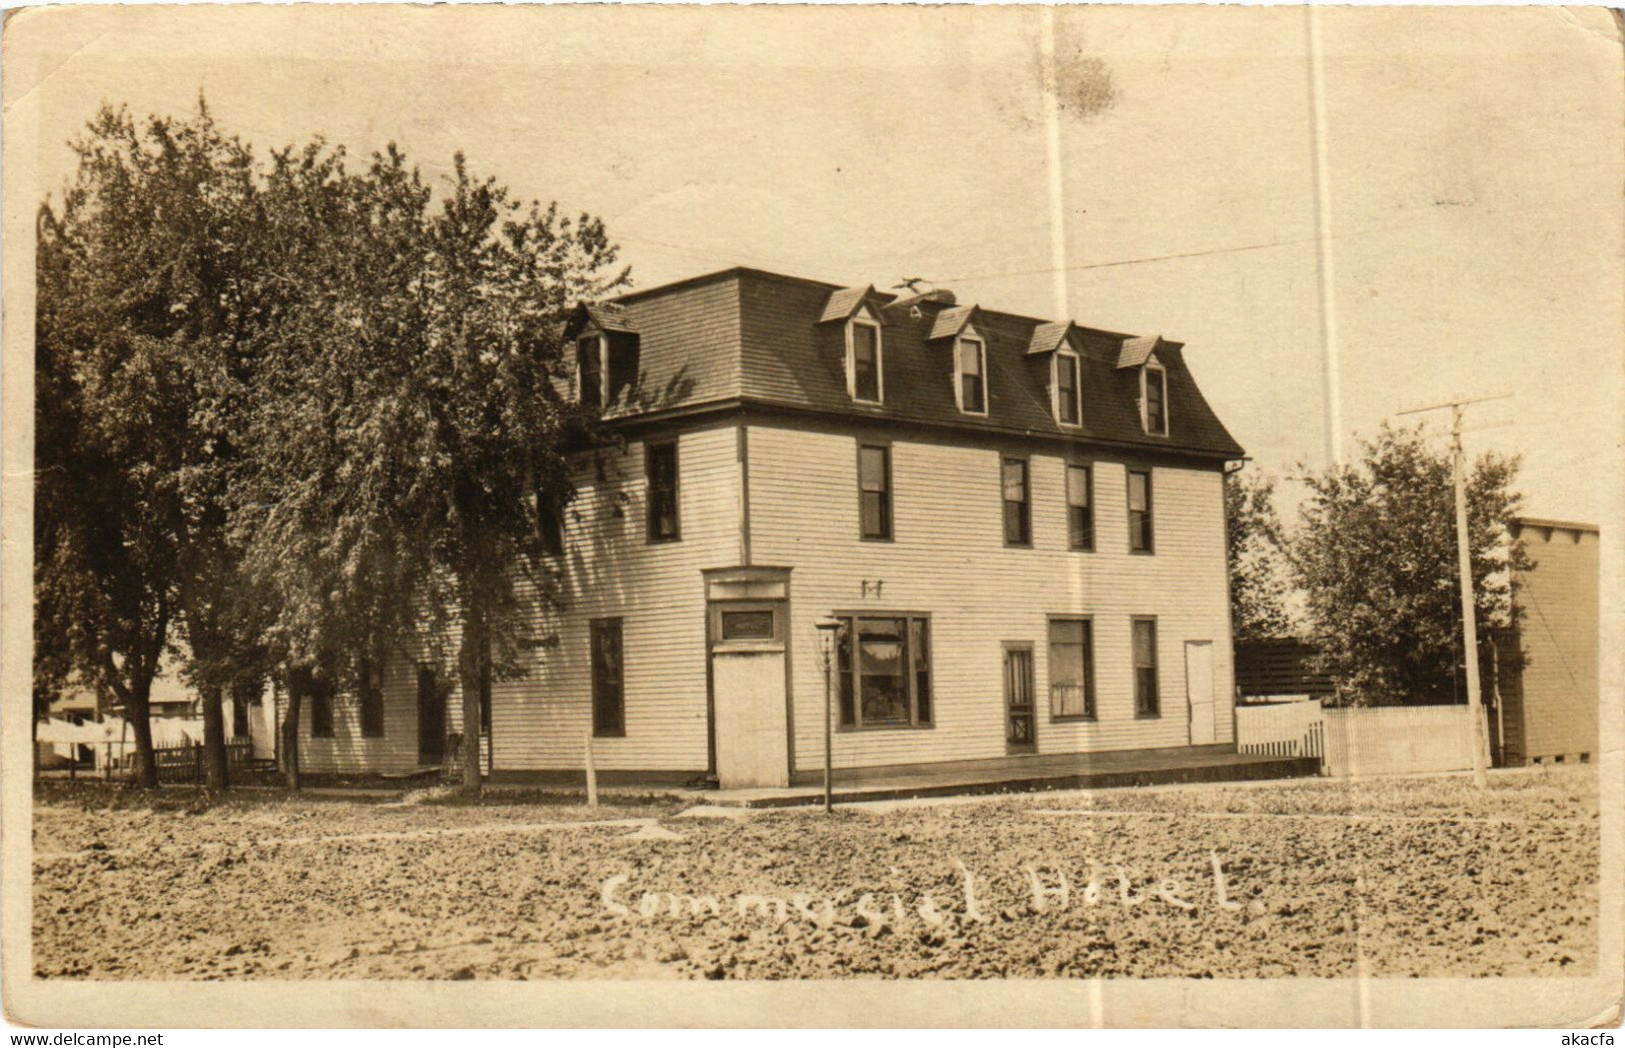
<point>1199,690</point>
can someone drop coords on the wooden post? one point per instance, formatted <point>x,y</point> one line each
<point>592,775</point>
<point>829,793</point>
<point>1464,559</point>
<point>1469,614</point>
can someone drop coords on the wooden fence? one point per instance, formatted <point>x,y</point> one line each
<point>1360,740</point>
<point>178,764</point>
<point>1288,729</point>
<point>1397,740</point>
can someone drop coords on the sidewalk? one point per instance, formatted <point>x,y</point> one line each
<point>1030,774</point>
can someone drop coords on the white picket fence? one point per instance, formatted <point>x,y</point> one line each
<point>1378,740</point>
<point>1288,729</point>
<point>1398,740</point>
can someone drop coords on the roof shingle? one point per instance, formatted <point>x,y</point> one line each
<point>950,322</point>
<point>748,336</point>
<point>1137,350</point>
<point>845,302</point>
<point>1048,336</point>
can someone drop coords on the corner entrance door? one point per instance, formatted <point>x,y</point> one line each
<point>1021,720</point>
<point>1199,690</point>
<point>750,707</point>
<point>431,718</point>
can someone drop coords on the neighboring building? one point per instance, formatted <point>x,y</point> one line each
<point>1280,670</point>
<point>1550,706</point>
<point>1020,524</point>
<point>89,718</point>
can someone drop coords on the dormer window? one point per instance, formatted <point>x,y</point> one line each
<point>1154,399</point>
<point>1068,401</point>
<point>590,370</point>
<point>970,378</point>
<point>864,381</point>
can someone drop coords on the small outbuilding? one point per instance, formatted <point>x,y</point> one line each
<point>1549,706</point>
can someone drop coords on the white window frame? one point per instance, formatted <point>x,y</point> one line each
<point>864,318</point>
<point>1145,402</point>
<point>603,364</point>
<point>1055,386</point>
<point>970,334</point>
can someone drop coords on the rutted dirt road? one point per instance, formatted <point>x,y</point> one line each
<point>1309,878</point>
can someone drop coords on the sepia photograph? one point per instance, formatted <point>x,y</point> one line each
<point>830,515</point>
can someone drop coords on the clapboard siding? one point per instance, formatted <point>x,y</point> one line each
<point>948,559</point>
<point>1558,633</point>
<point>396,751</point>
<point>609,570</point>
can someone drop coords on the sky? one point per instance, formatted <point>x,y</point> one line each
<point>1341,214</point>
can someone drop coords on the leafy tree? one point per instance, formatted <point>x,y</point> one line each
<point>1254,548</point>
<point>139,304</point>
<point>408,412</point>
<point>1376,557</point>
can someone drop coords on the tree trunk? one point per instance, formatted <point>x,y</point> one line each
<point>214,738</point>
<point>137,715</point>
<point>471,658</point>
<point>290,735</point>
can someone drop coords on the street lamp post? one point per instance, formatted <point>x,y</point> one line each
<point>829,630</point>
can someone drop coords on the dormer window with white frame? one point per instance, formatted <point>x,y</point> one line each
<point>590,368</point>
<point>1066,382</point>
<point>970,372</point>
<point>1154,398</point>
<point>603,340</point>
<point>865,348</point>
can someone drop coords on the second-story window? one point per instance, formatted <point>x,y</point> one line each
<point>971,368</point>
<point>1139,510</point>
<point>590,370</point>
<point>661,470</point>
<point>1018,529</point>
<point>549,523</point>
<point>1080,510</point>
<point>1067,408</point>
<point>1156,401</point>
<point>874,491</point>
<point>863,348</point>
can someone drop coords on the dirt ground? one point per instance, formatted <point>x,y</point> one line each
<point>1397,877</point>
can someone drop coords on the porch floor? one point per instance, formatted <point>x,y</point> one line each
<point>1028,773</point>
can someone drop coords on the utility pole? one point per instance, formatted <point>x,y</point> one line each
<point>1464,557</point>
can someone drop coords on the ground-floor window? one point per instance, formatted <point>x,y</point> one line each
<point>1146,701</point>
<point>317,693</point>
<point>371,684</point>
<point>1071,669</point>
<point>884,664</point>
<point>241,696</point>
<point>608,694</point>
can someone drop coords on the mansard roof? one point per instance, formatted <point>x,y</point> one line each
<point>744,337</point>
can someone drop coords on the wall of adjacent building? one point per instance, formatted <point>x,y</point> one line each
<point>948,559</point>
<point>347,750</point>
<point>1556,696</point>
